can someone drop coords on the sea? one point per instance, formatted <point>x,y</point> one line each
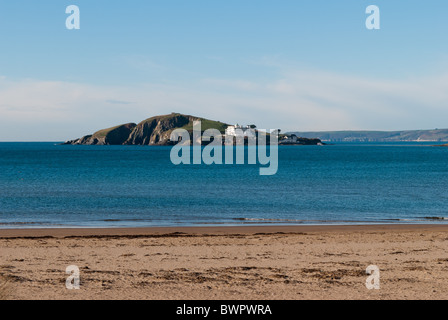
<point>48,185</point>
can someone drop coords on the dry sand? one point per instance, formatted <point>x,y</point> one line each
<point>288,263</point>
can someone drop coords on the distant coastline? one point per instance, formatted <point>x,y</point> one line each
<point>156,131</point>
<point>436,135</point>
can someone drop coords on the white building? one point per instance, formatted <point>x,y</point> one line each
<point>233,131</point>
<point>289,139</point>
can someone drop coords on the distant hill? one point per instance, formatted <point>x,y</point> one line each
<point>436,135</point>
<point>156,131</point>
<point>153,131</point>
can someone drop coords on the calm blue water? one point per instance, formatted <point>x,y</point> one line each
<point>48,185</point>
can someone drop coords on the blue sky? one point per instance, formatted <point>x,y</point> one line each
<point>297,65</point>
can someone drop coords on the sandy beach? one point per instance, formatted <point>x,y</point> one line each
<point>270,262</point>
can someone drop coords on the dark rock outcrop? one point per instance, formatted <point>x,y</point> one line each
<point>157,130</point>
<point>112,136</point>
<point>303,142</point>
<point>153,131</point>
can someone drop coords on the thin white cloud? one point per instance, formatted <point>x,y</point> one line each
<point>296,100</point>
<point>118,102</point>
<point>329,101</point>
<point>233,84</point>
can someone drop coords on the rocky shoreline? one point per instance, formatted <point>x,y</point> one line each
<point>156,131</point>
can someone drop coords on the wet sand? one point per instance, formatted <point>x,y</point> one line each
<point>249,262</point>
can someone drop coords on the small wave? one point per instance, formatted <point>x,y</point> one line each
<point>420,219</point>
<point>120,220</point>
<point>18,223</point>
<point>296,221</point>
<point>26,223</point>
<point>435,218</point>
<point>267,220</point>
<point>392,220</point>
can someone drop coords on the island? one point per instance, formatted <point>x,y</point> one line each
<point>156,131</point>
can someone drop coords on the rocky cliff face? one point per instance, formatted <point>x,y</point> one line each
<point>153,131</point>
<point>157,130</point>
<point>304,142</point>
<point>112,136</point>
